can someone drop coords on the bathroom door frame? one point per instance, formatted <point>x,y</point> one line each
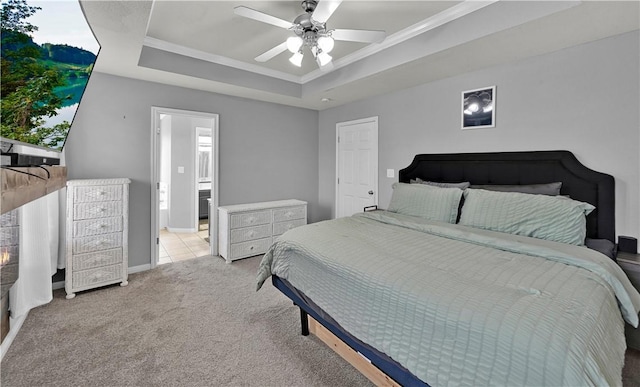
<point>156,111</point>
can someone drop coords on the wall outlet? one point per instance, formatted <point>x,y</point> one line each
<point>180,169</point>
<point>391,173</point>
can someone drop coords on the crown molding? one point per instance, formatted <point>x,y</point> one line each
<point>446,16</point>
<point>455,12</point>
<point>218,59</point>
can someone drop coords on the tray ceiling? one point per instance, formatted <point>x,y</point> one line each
<point>204,45</point>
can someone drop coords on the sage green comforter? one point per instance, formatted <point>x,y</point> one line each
<point>463,306</point>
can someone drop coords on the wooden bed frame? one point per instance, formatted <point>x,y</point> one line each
<point>519,168</point>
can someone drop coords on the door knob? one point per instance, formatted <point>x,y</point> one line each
<point>370,192</point>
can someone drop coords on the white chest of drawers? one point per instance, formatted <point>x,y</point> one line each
<point>97,233</point>
<point>245,230</point>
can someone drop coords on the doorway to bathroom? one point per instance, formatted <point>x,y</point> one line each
<point>184,184</point>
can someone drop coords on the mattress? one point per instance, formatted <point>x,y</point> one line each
<point>461,306</point>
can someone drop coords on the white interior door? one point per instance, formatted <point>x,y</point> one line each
<point>356,166</point>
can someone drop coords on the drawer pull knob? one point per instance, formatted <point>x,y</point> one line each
<point>251,248</point>
<point>102,209</point>
<point>251,233</point>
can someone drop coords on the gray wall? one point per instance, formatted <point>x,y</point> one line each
<point>584,99</point>
<point>267,151</point>
<point>181,205</point>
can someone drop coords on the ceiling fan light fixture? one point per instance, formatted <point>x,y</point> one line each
<point>294,43</point>
<point>323,58</point>
<point>296,59</point>
<point>326,43</point>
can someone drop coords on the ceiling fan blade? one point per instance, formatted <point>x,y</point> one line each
<point>324,10</point>
<point>262,17</point>
<point>280,48</point>
<point>364,36</point>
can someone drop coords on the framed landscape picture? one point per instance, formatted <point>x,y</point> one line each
<point>479,108</point>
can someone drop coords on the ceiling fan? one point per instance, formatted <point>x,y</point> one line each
<point>310,31</point>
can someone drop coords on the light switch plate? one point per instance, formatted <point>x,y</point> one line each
<point>180,169</point>
<point>390,173</point>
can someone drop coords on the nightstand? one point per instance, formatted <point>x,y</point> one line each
<point>630,264</point>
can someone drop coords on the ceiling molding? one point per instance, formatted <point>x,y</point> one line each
<point>449,14</point>
<point>218,59</point>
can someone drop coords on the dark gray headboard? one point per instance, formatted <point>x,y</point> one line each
<point>578,182</point>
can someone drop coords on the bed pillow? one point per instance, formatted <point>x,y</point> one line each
<point>462,185</point>
<point>551,189</point>
<point>425,201</point>
<point>554,218</point>
<point>603,246</point>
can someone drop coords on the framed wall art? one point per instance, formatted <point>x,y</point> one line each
<point>479,108</point>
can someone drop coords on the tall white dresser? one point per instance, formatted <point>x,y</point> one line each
<point>245,230</point>
<point>97,233</point>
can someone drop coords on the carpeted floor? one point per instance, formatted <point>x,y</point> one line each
<point>192,323</point>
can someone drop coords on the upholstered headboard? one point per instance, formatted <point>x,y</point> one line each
<point>578,182</point>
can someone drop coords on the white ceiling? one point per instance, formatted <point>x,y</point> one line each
<point>204,45</point>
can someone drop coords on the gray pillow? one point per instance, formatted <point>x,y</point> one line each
<point>551,189</point>
<point>556,218</point>
<point>425,201</point>
<point>462,185</point>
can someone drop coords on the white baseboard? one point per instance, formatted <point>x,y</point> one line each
<point>182,230</point>
<point>132,269</point>
<point>139,268</point>
<point>15,326</point>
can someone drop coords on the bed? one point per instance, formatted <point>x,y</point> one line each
<point>451,287</point>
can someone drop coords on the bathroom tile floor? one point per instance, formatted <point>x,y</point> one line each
<point>180,246</point>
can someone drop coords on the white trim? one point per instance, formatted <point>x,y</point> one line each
<point>214,203</point>
<point>15,326</point>
<point>446,16</point>
<point>218,59</point>
<point>182,230</point>
<point>155,178</point>
<point>139,268</point>
<point>196,169</point>
<point>340,125</point>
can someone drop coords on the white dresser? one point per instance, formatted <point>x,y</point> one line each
<point>246,230</point>
<point>97,233</point>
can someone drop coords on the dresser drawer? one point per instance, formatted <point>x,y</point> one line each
<point>97,259</point>
<point>248,249</point>
<point>250,219</point>
<point>95,277</point>
<point>250,233</point>
<point>97,193</point>
<point>290,213</point>
<point>96,210</point>
<point>97,243</point>
<point>282,227</point>
<point>97,226</point>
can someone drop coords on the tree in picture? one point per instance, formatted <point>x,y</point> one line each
<point>37,80</point>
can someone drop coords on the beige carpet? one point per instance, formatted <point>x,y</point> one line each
<point>191,323</point>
